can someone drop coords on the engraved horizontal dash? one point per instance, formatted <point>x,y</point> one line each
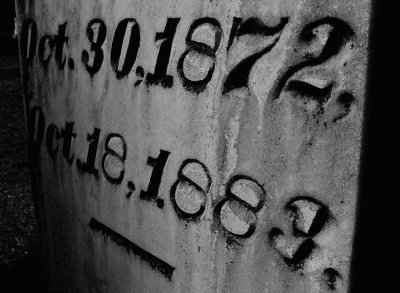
<point>155,263</point>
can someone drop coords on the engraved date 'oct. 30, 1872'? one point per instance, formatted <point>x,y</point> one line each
<point>323,39</point>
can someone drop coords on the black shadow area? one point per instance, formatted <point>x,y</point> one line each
<point>374,248</point>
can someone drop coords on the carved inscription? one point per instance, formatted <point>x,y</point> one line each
<point>158,165</point>
<point>125,47</point>
<point>244,197</point>
<point>154,262</point>
<point>160,75</point>
<point>96,33</point>
<point>239,74</point>
<point>318,42</point>
<point>188,194</point>
<point>195,78</point>
<point>237,213</point>
<point>308,217</point>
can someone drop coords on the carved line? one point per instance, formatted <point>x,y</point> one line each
<point>155,263</point>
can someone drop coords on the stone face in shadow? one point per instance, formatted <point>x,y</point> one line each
<point>23,275</point>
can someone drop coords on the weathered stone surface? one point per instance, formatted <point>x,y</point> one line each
<point>195,146</point>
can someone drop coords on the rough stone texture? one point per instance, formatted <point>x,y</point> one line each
<point>258,125</point>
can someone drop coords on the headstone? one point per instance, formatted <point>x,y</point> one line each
<point>195,146</point>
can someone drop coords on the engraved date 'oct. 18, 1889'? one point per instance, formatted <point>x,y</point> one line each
<point>236,213</point>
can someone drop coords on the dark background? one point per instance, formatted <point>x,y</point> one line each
<point>20,269</point>
<point>8,44</point>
